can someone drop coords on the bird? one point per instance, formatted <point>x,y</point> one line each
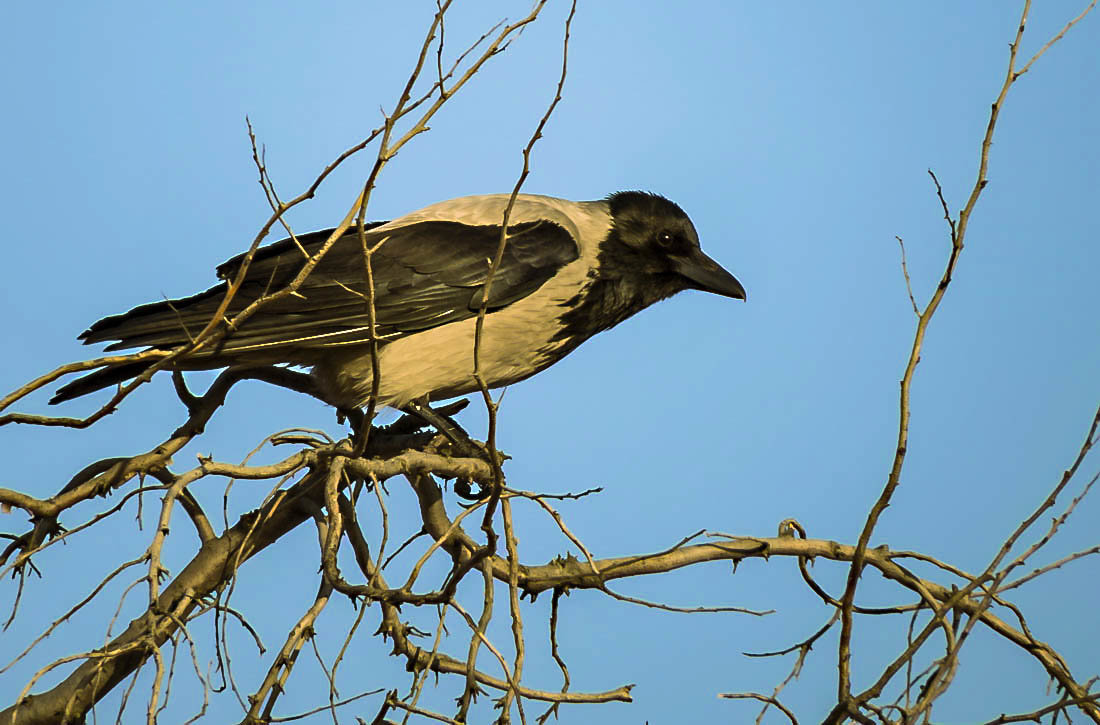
<point>570,269</point>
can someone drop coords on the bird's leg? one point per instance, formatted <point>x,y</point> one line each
<point>442,422</point>
<point>410,423</point>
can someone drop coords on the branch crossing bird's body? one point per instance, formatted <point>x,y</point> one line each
<point>570,270</point>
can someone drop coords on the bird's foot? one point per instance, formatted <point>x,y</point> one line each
<point>464,445</point>
<point>441,420</point>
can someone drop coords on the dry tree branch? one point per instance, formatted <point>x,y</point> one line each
<point>277,675</point>
<point>769,701</point>
<point>553,709</point>
<point>75,367</point>
<point>908,281</point>
<point>944,672</point>
<point>331,707</point>
<point>1046,505</point>
<point>109,474</point>
<point>577,574</point>
<point>419,660</point>
<point>512,547</point>
<point>215,562</point>
<point>847,705</point>
<point>73,610</point>
<point>258,530</point>
<point>1048,568</point>
<point>477,638</point>
<point>1062,706</point>
<point>421,678</point>
<point>384,154</point>
<point>491,407</point>
<point>803,648</point>
<point>36,540</point>
<point>330,468</point>
<point>412,709</point>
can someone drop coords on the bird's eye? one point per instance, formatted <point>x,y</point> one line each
<point>666,239</point>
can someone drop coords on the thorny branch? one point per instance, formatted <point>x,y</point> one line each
<point>321,482</point>
<point>848,704</point>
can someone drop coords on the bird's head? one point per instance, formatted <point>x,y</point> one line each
<point>657,238</point>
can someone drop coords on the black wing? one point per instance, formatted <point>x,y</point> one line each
<point>426,274</point>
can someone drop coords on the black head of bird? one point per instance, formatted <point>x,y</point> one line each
<point>569,270</point>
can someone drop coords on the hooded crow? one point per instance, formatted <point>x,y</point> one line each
<point>570,270</point>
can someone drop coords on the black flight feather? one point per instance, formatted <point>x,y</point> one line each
<point>426,274</point>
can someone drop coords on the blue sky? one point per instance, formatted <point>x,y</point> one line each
<point>796,135</point>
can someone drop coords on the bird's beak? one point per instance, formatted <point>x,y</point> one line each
<point>707,275</point>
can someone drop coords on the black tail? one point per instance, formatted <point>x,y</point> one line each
<point>99,380</point>
<point>279,327</point>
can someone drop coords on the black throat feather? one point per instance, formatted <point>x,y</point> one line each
<point>618,287</point>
